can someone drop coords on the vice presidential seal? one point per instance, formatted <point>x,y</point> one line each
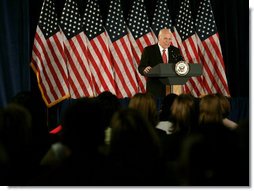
<point>182,68</point>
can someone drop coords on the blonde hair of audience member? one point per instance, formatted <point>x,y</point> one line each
<point>224,103</point>
<point>184,113</point>
<point>225,110</point>
<point>145,103</point>
<point>210,110</point>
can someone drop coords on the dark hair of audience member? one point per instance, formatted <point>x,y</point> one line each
<point>82,128</point>
<point>165,112</point>
<point>135,149</point>
<point>110,104</point>
<point>15,137</point>
<point>210,158</point>
<point>15,131</point>
<point>41,139</point>
<point>82,134</point>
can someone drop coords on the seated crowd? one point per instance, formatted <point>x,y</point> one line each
<point>189,142</point>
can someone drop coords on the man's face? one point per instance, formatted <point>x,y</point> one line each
<point>165,39</point>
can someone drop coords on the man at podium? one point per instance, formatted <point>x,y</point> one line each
<point>162,52</point>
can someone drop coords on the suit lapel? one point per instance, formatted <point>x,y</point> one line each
<point>157,55</point>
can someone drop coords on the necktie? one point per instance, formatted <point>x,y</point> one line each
<point>164,56</point>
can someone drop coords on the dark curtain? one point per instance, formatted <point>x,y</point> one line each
<point>18,25</point>
<point>233,24</point>
<point>15,51</point>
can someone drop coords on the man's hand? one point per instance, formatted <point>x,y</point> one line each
<point>147,69</point>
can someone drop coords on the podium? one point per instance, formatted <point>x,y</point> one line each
<point>168,75</point>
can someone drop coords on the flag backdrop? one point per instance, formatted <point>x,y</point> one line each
<point>75,43</point>
<point>82,58</point>
<point>186,39</point>
<point>210,51</point>
<point>48,56</point>
<point>162,19</point>
<point>98,49</point>
<point>125,71</point>
<point>140,35</point>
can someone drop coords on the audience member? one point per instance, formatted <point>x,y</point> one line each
<point>40,138</point>
<point>184,114</point>
<point>15,137</point>
<point>80,162</point>
<point>110,104</point>
<point>199,148</point>
<point>145,103</point>
<point>209,158</point>
<point>225,109</point>
<point>210,110</point>
<point>184,118</point>
<point>165,116</point>
<point>135,153</point>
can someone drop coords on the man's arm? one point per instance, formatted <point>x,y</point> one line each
<point>144,61</point>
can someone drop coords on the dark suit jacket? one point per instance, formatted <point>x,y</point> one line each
<point>151,56</point>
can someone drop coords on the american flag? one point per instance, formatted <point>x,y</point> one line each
<point>80,78</point>
<point>210,50</point>
<point>125,71</point>
<point>140,35</point>
<point>162,19</point>
<point>186,38</point>
<point>98,48</point>
<point>48,57</point>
